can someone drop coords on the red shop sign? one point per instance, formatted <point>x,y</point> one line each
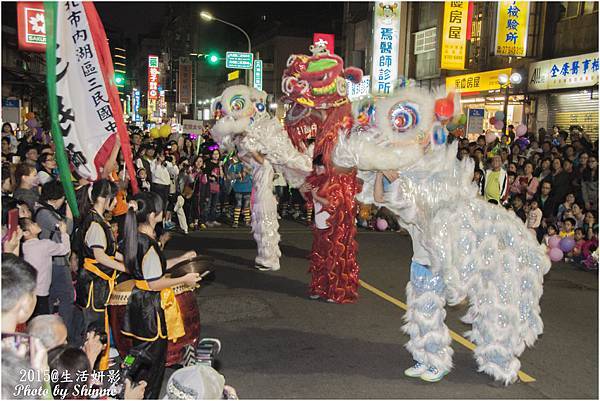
<point>31,24</point>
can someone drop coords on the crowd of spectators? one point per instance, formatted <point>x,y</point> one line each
<point>549,180</point>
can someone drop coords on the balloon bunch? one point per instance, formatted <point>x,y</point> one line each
<point>162,132</point>
<point>497,121</point>
<point>557,247</point>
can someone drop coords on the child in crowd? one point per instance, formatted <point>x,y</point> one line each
<point>534,217</point>
<point>568,228</point>
<point>38,253</point>
<point>551,231</point>
<point>575,254</point>
<point>142,178</point>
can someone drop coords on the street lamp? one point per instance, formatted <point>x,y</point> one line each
<point>506,82</point>
<point>205,15</point>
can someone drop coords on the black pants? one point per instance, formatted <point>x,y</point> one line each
<point>154,372</point>
<point>163,192</point>
<point>42,307</point>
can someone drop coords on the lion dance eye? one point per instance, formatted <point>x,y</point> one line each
<point>260,107</point>
<point>404,117</point>
<point>237,103</point>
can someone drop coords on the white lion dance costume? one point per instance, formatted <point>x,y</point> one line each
<point>263,144</point>
<point>463,246</point>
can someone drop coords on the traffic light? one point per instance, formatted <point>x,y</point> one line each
<point>212,58</point>
<point>119,79</point>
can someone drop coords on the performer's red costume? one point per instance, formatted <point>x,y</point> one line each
<point>317,86</point>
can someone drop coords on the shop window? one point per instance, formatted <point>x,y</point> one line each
<point>569,9</point>
<point>425,41</point>
<point>590,7</point>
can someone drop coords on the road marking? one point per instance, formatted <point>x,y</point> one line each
<point>525,378</point>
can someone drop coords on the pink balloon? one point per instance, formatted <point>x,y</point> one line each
<point>490,136</point>
<point>381,224</point>
<point>499,125</point>
<point>521,130</point>
<point>554,241</point>
<point>555,254</point>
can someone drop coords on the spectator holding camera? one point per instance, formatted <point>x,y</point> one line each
<point>526,184</point>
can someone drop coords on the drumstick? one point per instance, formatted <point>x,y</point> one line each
<point>205,273</point>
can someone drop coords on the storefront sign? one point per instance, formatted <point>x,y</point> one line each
<point>454,35</point>
<point>511,28</point>
<point>136,105</point>
<point>195,127</point>
<point>478,82</point>
<point>153,73</point>
<point>184,81</point>
<point>356,91</point>
<point>566,72</point>
<point>258,74</point>
<point>475,122</point>
<point>386,22</point>
<point>326,40</point>
<point>31,24</point>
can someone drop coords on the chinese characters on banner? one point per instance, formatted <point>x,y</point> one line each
<point>511,28</point>
<point>566,72</point>
<point>454,35</point>
<point>31,26</point>
<point>478,82</point>
<point>85,114</point>
<point>326,40</point>
<point>258,74</point>
<point>184,81</point>
<point>385,46</point>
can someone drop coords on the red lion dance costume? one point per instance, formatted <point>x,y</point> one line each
<point>316,86</point>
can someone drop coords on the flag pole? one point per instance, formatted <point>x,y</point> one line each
<point>61,156</point>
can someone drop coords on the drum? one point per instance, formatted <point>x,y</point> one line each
<point>189,311</point>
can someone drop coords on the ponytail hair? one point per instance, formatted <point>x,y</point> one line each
<point>89,194</point>
<point>147,203</point>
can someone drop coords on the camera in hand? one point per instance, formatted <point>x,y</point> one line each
<point>132,365</point>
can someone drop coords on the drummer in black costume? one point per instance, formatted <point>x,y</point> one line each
<point>152,316</point>
<point>99,262</point>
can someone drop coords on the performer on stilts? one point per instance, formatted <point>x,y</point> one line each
<point>317,86</point>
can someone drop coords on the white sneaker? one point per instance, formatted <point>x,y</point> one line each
<point>433,375</point>
<point>315,296</point>
<point>216,223</point>
<point>209,224</point>
<point>416,371</point>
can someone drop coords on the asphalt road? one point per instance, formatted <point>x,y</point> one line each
<point>279,344</point>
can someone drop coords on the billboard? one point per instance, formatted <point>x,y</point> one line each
<point>153,73</point>
<point>386,31</point>
<point>454,35</point>
<point>31,25</point>
<point>512,25</point>
<point>184,81</point>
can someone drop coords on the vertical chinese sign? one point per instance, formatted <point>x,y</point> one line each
<point>511,28</point>
<point>31,24</point>
<point>386,31</point>
<point>326,40</point>
<point>153,73</point>
<point>85,109</point>
<point>136,105</point>
<point>258,74</point>
<point>454,35</point>
<point>184,81</point>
